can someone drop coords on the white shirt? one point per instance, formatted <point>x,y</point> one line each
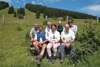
<point>47,30</point>
<point>68,36</point>
<point>74,28</point>
<point>33,31</point>
<point>54,37</point>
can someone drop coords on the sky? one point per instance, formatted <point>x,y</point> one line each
<point>85,6</point>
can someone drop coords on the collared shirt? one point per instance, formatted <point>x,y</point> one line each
<point>68,35</point>
<point>74,28</point>
<point>47,30</point>
<point>33,32</point>
<point>54,36</point>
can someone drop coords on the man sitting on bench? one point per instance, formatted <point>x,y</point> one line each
<point>67,37</point>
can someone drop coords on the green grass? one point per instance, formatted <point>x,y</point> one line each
<point>14,48</point>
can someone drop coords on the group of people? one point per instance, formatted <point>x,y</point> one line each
<point>54,40</point>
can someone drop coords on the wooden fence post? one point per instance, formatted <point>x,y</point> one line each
<point>3,18</point>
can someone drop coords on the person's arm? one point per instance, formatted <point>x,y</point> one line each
<point>46,33</point>
<point>62,37</point>
<point>43,42</point>
<point>45,29</point>
<point>75,29</point>
<point>72,36</point>
<point>58,37</point>
<point>44,38</point>
<point>49,39</point>
<point>31,34</point>
<point>57,34</point>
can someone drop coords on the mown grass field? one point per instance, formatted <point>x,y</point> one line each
<point>14,48</point>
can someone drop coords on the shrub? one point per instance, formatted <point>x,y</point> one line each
<point>11,10</point>
<point>89,43</point>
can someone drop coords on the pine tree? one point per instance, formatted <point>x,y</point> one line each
<point>11,10</point>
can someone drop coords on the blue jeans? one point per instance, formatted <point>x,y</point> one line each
<point>61,51</point>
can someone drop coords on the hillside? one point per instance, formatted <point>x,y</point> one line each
<point>3,5</point>
<point>14,44</point>
<point>51,12</point>
<point>54,12</point>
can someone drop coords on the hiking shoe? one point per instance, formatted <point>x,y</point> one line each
<point>54,57</point>
<point>61,61</point>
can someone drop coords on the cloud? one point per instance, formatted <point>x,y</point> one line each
<point>43,2</point>
<point>46,1</point>
<point>93,9</point>
<point>33,2</point>
<point>5,0</point>
<point>51,0</point>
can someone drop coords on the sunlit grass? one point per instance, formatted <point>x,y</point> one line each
<point>14,48</point>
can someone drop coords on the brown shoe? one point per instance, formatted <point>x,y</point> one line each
<point>61,61</point>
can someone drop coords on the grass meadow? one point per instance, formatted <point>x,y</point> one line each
<point>14,46</point>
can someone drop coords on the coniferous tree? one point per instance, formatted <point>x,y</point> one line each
<point>11,10</point>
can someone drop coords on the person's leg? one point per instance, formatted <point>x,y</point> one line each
<point>68,48</point>
<point>61,51</point>
<point>40,56</point>
<point>68,45</point>
<point>36,48</point>
<point>38,51</point>
<point>55,46</point>
<point>42,51</point>
<point>49,46</point>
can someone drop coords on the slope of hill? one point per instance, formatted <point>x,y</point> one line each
<point>51,12</point>
<point>3,5</point>
<point>54,12</point>
<point>14,48</point>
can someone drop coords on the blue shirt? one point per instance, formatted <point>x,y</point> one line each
<point>41,35</point>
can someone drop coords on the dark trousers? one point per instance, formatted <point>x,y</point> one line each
<point>62,50</point>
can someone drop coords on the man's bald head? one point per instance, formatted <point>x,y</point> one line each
<point>66,27</point>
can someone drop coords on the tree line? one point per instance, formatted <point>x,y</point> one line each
<point>46,11</point>
<point>54,12</point>
<point>3,5</point>
<point>20,12</point>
